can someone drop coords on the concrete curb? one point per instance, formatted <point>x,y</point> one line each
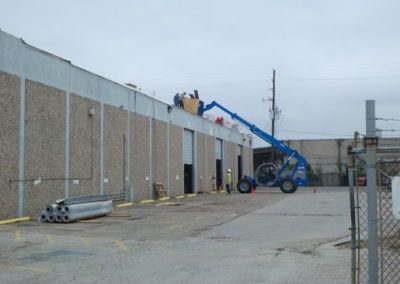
<point>164,198</point>
<point>124,205</point>
<point>16,220</point>
<point>146,201</point>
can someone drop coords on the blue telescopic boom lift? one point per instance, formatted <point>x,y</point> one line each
<point>288,178</point>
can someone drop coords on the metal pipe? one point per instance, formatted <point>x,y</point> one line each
<point>351,172</point>
<point>68,210</point>
<point>59,217</point>
<point>51,218</point>
<point>44,217</point>
<point>71,217</point>
<point>371,146</point>
<point>77,208</point>
<point>50,208</point>
<point>83,199</point>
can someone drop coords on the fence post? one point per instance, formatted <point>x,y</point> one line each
<point>351,172</point>
<point>371,142</point>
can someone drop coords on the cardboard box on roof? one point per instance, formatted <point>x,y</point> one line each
<point>191,105</point>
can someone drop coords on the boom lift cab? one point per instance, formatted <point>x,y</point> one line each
<point>288,177</point>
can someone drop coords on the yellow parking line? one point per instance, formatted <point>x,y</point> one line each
<point>191,195</point>
<point>17,235</point>
<point>179,196</point>
<point>121,245</point>
<point>50,239</point>
<point>33,269</point>
<point>85,242</point>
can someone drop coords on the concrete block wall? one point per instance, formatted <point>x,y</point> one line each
<point>84,147</point>
<point>230,160</point>
<point>115,128</point>
<point>51,148</point>
<point>160,155</point>
<point>9,143</point>
<point>201,178</point>
<point>44,146</point>
<point>248,161</point>
<point>140,156</point>
<point>211,163</point>
<point>68,152</point>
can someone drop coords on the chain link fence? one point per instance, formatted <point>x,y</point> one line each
<point>388,241</point>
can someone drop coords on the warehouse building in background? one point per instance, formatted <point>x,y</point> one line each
<point>66,132</point>
<point>327,158</point>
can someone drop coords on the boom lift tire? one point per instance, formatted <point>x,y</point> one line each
<point>244,186</point>
<point>288,185</point>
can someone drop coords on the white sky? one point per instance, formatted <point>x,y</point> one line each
<point>330,56</point>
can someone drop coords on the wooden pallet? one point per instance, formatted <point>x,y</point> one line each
<point>159,187</point>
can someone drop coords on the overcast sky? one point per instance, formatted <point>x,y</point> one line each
<point>330,56</point>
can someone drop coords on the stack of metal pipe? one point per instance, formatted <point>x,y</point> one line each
<point>77,208</point>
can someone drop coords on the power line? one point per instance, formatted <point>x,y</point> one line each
<point>262,70</point>
<point>341,78</point>
<point>339,65</point>
<point>387,119</point>
<point>342,86</point>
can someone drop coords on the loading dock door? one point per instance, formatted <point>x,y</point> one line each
<point>218,149</point>
<point>240,163</point>
<point>188,154</point>
<point>218,156</point>
<point>188,147</point>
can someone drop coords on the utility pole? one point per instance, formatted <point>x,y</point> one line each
<point>273,103</point>
<point>273,153</point>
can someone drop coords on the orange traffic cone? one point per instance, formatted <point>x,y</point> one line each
<point>252,190</point>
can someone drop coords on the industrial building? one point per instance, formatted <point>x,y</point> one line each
<point>67,132</point>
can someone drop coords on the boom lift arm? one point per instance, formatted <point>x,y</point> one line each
<point>298,175</point>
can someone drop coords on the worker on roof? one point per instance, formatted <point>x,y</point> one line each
<point>228,181</point>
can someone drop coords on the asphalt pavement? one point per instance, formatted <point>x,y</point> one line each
<point>269,237</point>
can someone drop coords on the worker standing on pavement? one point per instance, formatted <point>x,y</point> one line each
<point>228,180</point>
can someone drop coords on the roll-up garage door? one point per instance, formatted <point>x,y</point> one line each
<point>239,150</point>
<point>218,149</point>
<point>188,147</point>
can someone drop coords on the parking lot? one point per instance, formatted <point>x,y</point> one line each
<point>268,237</point>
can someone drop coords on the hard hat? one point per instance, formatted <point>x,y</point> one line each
<point>228,170</point>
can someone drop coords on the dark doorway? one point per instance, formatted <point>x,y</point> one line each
<point>188,178</point>
<point>240,173</point>
<point>219,175</point>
